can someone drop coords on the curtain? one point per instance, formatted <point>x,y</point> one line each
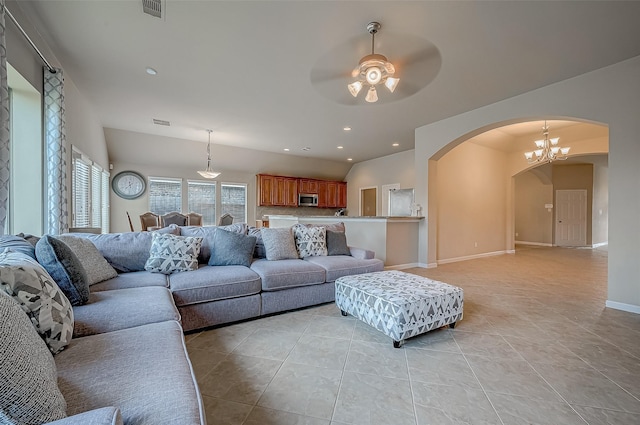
<point>55,153</point>
<point>4,129</point>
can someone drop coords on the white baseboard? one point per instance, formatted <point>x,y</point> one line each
<point>622,306</point>
<point>596,245</point>
<point>511,251</point>
<point>402,266</point>
<point>430,265</point>
<point>533,243</point>
<point>471,257</point>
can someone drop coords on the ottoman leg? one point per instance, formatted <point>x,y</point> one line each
<point>344,313</point>
<point>452,325</point>
<point>397,344</point>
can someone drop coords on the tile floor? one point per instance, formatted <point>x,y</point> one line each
<point>536,346</point>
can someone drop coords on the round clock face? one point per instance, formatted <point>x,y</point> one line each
<point>128,184</point>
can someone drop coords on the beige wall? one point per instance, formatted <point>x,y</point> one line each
<point>391,169</point>
<point>600,223</point>
<point>610,96</point>
<point>471,192</point>
<point>574,177</point>
<point>533,222</point>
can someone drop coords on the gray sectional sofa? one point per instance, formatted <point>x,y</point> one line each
<point>127,361</point>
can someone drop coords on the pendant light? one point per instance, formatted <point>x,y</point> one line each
<point>208,174</point>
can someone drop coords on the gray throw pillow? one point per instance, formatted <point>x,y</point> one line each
<point>337,243</point>
<point>18,244</point>
<point>94,264</point>
<point>206,233</point>
<point>29,392</point>
<point>170,253</point>
<point>30,285</point>
<point>126,252</point>
<point>64,267</point>
<point>279,243</point>
<point>231,249</point>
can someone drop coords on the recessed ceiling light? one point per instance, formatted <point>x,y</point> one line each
<point>395,144</point>
<point>340,147</point>
<point>286,149</point>
<point>349,159</point>
<point>347,128</point>
<point>306,148</point>
<point>151,71</point>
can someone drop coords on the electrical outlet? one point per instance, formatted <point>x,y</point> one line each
<point>475,244</point>
<point>516,234</point>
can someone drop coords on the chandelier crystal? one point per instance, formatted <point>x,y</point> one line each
<point>372,70</point>
<point>208,173</point>
<point>547,149</point>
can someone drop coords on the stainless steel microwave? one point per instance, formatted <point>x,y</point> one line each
<point>307,200</point>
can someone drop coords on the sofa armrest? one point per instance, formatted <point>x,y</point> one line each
<point>102,416</point>
<point>361,253</point>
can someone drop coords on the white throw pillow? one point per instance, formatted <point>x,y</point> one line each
<point>310,241</point>
<point>170,253</point>
<point>34,289</point>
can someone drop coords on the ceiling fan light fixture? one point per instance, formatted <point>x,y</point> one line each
<point>372,95</point>
<point>354,88</point>
<point>373,69</point>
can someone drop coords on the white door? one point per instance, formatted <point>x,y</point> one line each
<point>571,217</point>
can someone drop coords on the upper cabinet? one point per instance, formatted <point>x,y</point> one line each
<point>280,191</point>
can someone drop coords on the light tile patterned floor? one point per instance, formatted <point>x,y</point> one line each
<point>536,346</point>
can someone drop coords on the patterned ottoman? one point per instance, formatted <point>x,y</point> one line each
<point>400,305</point>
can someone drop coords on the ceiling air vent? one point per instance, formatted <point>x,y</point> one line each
<point>152,7</point>
<point>161,122</point>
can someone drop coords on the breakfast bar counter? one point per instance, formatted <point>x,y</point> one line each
<point>394,239</point>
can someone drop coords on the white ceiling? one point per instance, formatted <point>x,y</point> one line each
<point>248,70</point>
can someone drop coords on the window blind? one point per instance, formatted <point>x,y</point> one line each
<point>201,198</point>
<point>234,201</point>
<point>165,195</point>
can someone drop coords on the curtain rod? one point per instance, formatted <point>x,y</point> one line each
<point>33,45</point>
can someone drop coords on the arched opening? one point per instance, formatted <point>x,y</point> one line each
<point>482,190</point>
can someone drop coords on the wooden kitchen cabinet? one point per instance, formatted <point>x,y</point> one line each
<point>322,194</point>
<point>308,186</point>
<point>277,191</point>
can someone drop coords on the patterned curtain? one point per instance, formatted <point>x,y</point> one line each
<point>55,153</point>
<point>4,129</point>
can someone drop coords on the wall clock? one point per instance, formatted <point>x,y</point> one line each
<point>128,184</point>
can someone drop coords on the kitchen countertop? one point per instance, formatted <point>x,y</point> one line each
<point>343,217</point>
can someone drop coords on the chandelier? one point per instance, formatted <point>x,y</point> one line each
<point>548,149</point>
<point>372,70</point>
<point>208,174</point>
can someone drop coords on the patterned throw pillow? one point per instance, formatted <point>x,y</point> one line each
<point>310,241</point>
<point>39,296</point>
<point>96,267</point>
<point>64,267</point>
<point>29,392</point>
<point>170,253</point>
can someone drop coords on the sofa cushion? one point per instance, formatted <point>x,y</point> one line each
<point>276,275</point>
<point>17,244</point>
<point>109,311</point>
<point>39,296</point>
<point>279,243</point>
<point>126,252</point>
<point>144,371</point>
<point>33,240</point>
<point>170,253</point>
<point>94,264</point>
<point>29,391</point>
<point>310,241</point>
<point>64,267</point>
<point>211,283</point>
<point>337,243</point>
<point>343,265</point>
<point>206,233</point>
<point>103,416</point>
<point>132,280</point>
<point>231,249</point>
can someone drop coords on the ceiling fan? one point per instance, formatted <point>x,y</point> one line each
<point>413,63</point>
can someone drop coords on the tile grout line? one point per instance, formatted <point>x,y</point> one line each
<point>344,368</point>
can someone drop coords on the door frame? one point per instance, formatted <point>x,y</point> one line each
<point>360,190</point>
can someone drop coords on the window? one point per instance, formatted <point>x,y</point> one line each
<point>89,193</point>
<point>165,195</point>
<point>234,201</point>
<point>202,200</point>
